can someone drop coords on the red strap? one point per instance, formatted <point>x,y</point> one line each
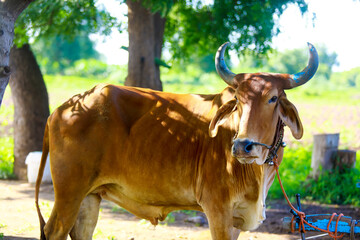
<point>302,215</point>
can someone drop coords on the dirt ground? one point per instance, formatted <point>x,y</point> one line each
<point>19,221</point>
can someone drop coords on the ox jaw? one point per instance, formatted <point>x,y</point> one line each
<point>247,160</point>
<point>257,156</point>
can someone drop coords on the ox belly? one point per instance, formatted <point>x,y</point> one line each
<point>143,203</point>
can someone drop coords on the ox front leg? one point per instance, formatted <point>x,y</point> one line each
<point>220,222</point>
<point>87,218</point>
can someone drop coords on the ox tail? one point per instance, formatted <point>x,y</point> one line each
<point>45,152</point>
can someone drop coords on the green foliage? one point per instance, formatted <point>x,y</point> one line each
<point>67,18</point>
<point>335,187</point>
<point>161,63</point>
<point>6,158</point>
<point>193,28</point>
<point>196,27</point>
<point>59,31</point>
<point>161,6</point>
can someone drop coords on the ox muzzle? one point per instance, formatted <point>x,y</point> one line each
<point>246,146</point>
<point>245,150</point>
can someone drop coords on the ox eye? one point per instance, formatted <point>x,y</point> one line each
<point>273,99</point>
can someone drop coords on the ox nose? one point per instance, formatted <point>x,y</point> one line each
<point>243,145</point>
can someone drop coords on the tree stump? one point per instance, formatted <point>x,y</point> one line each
<point>343,159</point>
<point>324,147</point>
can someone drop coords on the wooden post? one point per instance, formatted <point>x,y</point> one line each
<point>343,159</point>
<point>324,147</point>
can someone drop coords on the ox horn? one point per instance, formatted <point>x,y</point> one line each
<point>221,67</point>
<point>307,73</point>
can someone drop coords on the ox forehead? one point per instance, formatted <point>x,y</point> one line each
<point>153,152</point>
<point>258,85</point>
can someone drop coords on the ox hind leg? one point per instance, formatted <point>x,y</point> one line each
<point>85,224</point>
<point>68,200</point>
<point>62,219</point>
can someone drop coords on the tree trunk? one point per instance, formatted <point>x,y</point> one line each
<point>9,11</point>
<point>31,106</point>
<point>146,33</point>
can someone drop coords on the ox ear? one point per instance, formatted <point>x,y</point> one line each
<point>289,115</point>
<point>222,114</point>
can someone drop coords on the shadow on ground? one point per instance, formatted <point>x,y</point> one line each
<point>17,238</point>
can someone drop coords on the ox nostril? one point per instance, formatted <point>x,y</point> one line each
<point>248,147</point>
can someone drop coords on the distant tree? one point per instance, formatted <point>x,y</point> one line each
<point>196,28</point>
<point>292,61</point>
<point>350,78</point>
<point>61,52</point>
<point>327,60</point>
<point>44,19</point>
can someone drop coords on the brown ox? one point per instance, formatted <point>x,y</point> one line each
<point>154,152</point>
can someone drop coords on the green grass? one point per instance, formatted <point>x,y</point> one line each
<point>325,96</point>
<point>331,187</point>
<point>2,234</point>
<point>293,170</point>
<point>6,158</point>
<point>61,88</point>
<point>207,83</point>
